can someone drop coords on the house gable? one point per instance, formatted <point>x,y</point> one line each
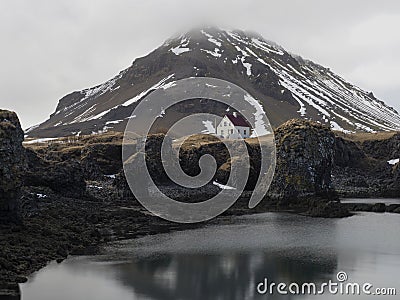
<point>234,127</point>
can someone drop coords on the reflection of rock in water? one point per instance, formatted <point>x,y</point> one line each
<point>10,297</point>
<point>230,276</point>
<point>227,261</point>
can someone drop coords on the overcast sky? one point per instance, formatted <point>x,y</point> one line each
<point>50,48</point>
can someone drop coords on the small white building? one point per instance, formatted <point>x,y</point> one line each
<point>233,126</point>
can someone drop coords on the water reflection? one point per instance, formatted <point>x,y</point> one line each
<point>10,297</point>
<point>227,261</point>
<point>228,276</point>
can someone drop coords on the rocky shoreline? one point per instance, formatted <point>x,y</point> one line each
<point>378,207</point>
<point>54,227</point>
<point>70,197</point>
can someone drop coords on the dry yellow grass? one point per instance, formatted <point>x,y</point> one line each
<point>73,143</point>
<point>263,139</point>
<point>364,136</point>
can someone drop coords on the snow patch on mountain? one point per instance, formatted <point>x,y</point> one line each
<point>88,114</point>
<point>265,47</point>
<point>42,140</point>
<point>259,125</point>
<point>210,129</point>
<point>211,38</point>
<point>182,47</point>
<point>114,122</point>
<point>215,53</point>
<point>158,85</point>
<point>101,89</point>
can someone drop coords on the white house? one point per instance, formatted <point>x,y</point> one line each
<point>233,126</point>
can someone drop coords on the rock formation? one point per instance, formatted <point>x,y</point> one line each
<point>362,168</point>
<point>11,164</point>
<point>385,149</point>
<point>305,152</point>
<point>396,181</point>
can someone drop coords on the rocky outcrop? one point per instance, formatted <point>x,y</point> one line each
<point>327,209</point>
<point>11,164</point>
<point>361,166</point>
<point>383,149</point>
<point>305,155</point>
<point>396,178</point>
<point>98,160</point>
<point>348,154</point>
<point>305,159</point>
<point>152,148</point>
<point>65,178</point>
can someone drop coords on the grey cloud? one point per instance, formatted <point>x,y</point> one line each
<point>50,48</point>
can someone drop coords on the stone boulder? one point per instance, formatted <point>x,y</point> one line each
<point>151,150</point>
<point>396,178</point>
<point>383,149</point>
<point>98,160</point>
<point>327,209</point>
<point>64,178</point>
<point>349,154</point>
<point>11,164</point>
<point>305,155</point>
<point>153,157</point>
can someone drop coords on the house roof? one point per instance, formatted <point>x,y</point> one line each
<point>238,120</point>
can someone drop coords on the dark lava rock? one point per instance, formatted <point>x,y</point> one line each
<point>11,164</point>
<point>149,151</point>
<point>152,149</point>
<point>358,174</point>
<point>330,209</point>
<point>392,207</point>
<point>360,207</point>
<point>348,153</point>
<point>305,152</point>
<point>122,190</point>
<point>385,149</point>
<point>101,159</point>
<point>65,178</point>
<point>379,208</point>
<point>396,179</point>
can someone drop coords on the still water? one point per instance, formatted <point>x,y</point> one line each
<point>228,260</point>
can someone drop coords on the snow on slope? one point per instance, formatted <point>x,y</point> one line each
<point>317,87</point>
<point>312,86</point>
<point>90,93</point>
<point>320,94</point>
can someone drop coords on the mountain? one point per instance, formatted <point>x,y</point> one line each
<point>286,85</point>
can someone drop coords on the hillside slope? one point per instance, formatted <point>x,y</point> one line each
<point>287,86</point>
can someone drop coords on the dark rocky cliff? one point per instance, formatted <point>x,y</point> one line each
<point>305,159</point>
<point>305,155</point>
<point>361,166</point>
<point>11,164</point>
<point>308,154</point>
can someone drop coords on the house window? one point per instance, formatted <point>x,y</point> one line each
<point>224,123</point>
<point>244,131</point>
<point>222,132</point>
<point>231,131</point>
